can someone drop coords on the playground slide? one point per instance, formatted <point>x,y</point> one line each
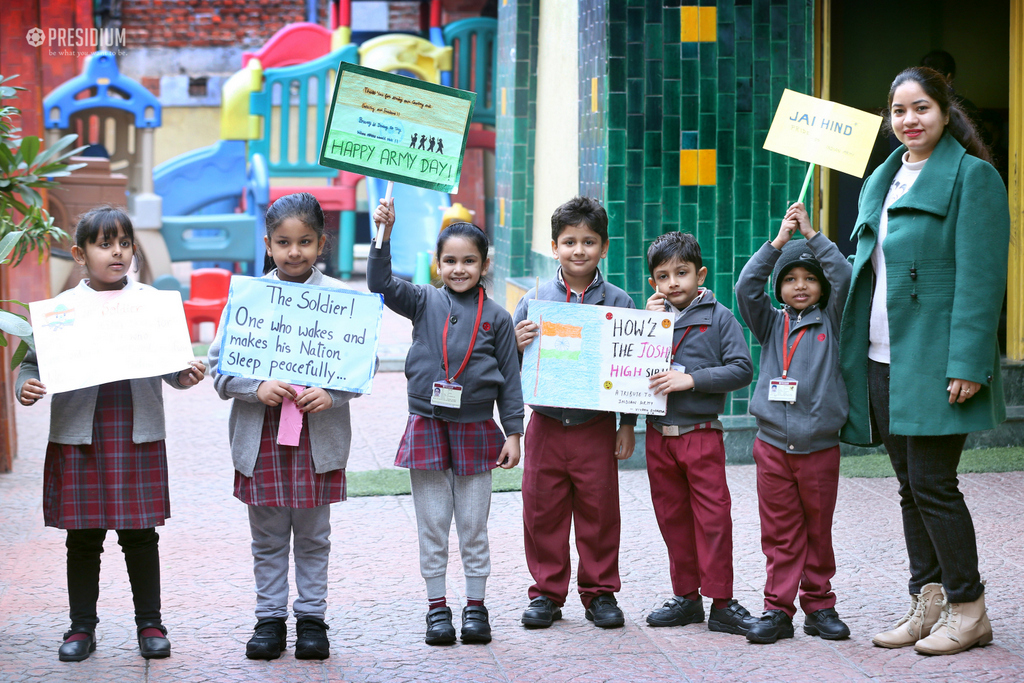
<point>418,221</point>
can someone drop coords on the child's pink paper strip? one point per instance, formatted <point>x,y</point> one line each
<point>290,426</point>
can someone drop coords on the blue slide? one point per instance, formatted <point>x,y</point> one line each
<point>418,215</point>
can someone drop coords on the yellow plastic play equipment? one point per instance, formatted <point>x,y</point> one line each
<point>236,123</point>
<point>399,52</point>
<point>456,213</point>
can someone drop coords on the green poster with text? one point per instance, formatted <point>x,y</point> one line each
<point>387,126</point>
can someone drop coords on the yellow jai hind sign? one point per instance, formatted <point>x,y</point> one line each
<point>823,133</point>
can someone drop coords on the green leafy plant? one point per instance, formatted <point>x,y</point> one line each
<point>14,323</point>
<point>26,168</point>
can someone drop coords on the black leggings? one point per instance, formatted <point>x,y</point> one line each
<point>937,525</point>
<point>141,557</point>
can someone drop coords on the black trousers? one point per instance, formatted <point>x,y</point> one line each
<point>141,557</point>
<point>937,525</point>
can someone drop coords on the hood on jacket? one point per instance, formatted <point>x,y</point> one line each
<point>797,253</point>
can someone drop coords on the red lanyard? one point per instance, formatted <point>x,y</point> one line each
<point>472,341</point>
<point>568,291</point>
<point>787,354</point>
<point>676,347</point>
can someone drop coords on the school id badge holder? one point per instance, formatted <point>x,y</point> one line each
<point>446,395</point>
<point>782,389</point>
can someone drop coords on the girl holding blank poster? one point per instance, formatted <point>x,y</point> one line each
<point>289,489</point>
<point>106,462</point>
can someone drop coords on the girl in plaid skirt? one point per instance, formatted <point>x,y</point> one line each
<point>289,489</point>
<point>106,463</point>
<point>462,360</point>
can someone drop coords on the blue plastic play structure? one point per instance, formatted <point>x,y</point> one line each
<point>202,204</point>
<point>418,217</point>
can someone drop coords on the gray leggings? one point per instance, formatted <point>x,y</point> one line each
<point>437,496</point>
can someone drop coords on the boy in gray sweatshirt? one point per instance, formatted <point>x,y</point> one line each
<point>800,403</point>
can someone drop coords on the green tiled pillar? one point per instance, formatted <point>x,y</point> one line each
<point>517,94</point>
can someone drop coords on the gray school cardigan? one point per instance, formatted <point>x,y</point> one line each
<point>330,431</point>
<point>71,412</point>
<point>492,373</point>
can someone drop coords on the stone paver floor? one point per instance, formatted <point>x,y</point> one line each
<point>377,602</point>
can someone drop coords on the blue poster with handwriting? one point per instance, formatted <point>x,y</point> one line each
<point>300,334</point>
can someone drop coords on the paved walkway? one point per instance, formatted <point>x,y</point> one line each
<point>377,603</point>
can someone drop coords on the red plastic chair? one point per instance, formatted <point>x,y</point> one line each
<point>207,298</point>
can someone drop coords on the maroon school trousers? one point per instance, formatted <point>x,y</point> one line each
<point>692,503</point>
<point>796,496</point>
<point>570,474</point>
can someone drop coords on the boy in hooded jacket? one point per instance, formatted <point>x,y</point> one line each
<point>800,403</point>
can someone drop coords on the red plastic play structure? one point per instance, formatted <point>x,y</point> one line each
<point>209,296</point>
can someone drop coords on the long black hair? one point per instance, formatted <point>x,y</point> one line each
<point>937,88</point>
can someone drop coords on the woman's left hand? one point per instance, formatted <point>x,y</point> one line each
<point>962,389</point>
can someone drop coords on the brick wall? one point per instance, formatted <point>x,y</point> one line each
<point>201,23</point>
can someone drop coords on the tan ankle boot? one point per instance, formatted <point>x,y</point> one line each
<point>924,612</point>
<point>963,625</point>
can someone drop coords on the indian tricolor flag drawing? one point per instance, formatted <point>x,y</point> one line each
<point>557,342</point>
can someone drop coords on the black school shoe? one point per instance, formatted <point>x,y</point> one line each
<point>541,613</point>
<point>826,624</point>
<point>77,650</point>
<point>311,638</point>
<point>773,625</point>
<point>604,612</point>
<point>156,647</point>
<point>439,626</point>
<point>733,619</point>
<point>268,639</point>
<point>475,626</point>
<point>677,612</point>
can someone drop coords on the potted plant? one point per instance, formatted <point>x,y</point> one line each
<point>25,226</point>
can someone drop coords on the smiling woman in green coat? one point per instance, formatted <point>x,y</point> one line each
<point>919,351</point>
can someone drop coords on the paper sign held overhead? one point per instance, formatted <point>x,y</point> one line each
<point>596,357</point>
<point>88,338</point>
<point>401,129</point>
<point>823,133</point>
<point>300,334</point>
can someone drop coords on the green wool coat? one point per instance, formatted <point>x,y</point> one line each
<point>945,254</point>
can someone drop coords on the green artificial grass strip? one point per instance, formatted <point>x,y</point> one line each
<point>396,482</point>
<point>978,460</point>
<point>200,350</point>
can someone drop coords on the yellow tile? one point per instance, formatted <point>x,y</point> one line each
<point>504,103</point>
<point>706,166</point>
<point>688,167</point>
<point>708,32</point>
<point>593,94</point>
<point>501,208</point>
<point>689,24</point>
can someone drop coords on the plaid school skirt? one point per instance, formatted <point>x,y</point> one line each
<point>464,447</point>
<point>285,476</point>
<point>111,483</point>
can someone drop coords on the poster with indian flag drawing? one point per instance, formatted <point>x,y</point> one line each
<point>596,357</point>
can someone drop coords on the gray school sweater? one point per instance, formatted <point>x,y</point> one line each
<point>71,412</point>
<point>715,354</point>
<point>813,422</point>
<point>492,373</point>
<point>330,431</point>
<point>600,293</point>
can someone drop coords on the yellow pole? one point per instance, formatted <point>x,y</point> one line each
<point>1015,273</point>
